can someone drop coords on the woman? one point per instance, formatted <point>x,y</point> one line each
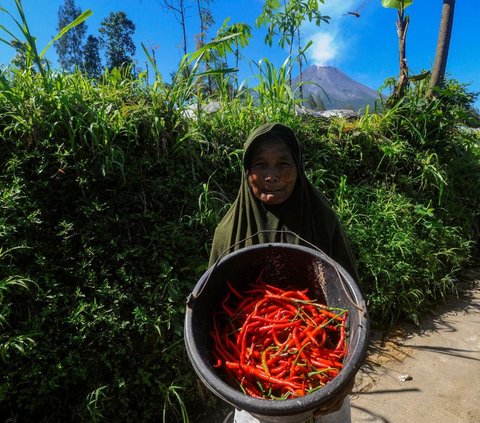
<point>275,195</point>
<point>274,200</point>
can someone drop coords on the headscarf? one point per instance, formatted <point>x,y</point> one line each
<point>306,212</point>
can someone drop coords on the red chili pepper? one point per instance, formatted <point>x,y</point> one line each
<point>277,343</point>
<point>232,289</point>
<point>274,380</point>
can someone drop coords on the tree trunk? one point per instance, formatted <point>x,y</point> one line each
<point>443,44</point>
<point>402,26</point>
<point>290,51</point>
<point>184,29</point>
<point>178,9</point>
<point>300,66</point>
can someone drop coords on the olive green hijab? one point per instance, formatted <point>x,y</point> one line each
<point>306,212</point>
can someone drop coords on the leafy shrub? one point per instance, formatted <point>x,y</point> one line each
<point>94,202</point>
<point>109,199</point>
<point>407,256</point>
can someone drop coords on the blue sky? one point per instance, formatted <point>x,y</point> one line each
<point>365,48</point>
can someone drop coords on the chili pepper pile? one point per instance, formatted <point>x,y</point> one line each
<point>276,343</point>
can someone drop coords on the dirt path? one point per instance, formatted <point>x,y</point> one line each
<point>427,374</point>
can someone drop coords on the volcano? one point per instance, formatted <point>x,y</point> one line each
<point>327,88</point>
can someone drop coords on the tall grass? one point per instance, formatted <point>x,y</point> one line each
<point>275,96</point>
<point>30,50</point>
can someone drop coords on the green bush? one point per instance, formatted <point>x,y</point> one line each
<point>93,213</point>
<point>408,257</point>
<point>109,197</point>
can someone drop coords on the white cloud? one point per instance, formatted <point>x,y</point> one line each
<point>325,48</point>
<point>328,42</point>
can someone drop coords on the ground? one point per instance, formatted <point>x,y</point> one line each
<point>429,373</point>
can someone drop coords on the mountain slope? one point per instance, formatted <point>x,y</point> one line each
<point>327,88</point>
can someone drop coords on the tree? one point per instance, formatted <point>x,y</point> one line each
<point>69,46</point>
<point>243,34</point>
<point>285,22</point>
<point>178,8</point>
<point>20,58</point>
<point>92,63</point>
<point>443,44</point>
<point>402,26</point>
<point>315,102</point>
<point>206,21</point>
<point>116,32</point>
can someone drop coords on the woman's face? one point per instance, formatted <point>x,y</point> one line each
<point>273,173</point>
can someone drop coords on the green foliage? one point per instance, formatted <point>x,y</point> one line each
<point>396,4</point>
<point>243,34</point>
<point>285,21</point>
<point>116,32</point>
<point>92,63</point>
<point>408,255</point>
<point>20,59</point>
<point>70,46</point>
<point>90,195</point>
<point>109,196</point>
<point>12,287</point>
<point>274,92</point>
<point>32,56</point>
